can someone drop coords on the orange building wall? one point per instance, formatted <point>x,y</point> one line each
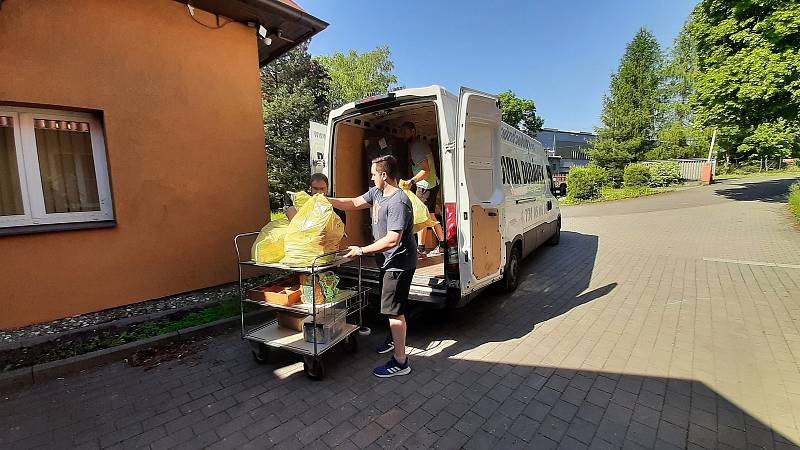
<point>185,143</point>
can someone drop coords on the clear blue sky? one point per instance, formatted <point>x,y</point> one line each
<point>558,53</point>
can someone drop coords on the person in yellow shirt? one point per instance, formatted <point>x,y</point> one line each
<point>426,181</point>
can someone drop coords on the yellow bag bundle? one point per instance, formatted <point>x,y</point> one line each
<point>300,198</point>
<point>304,236</point>
<point>268,247</point>
<point>421,217</point>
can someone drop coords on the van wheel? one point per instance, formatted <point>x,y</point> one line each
<point>555,238</point>
<point>511,277</point>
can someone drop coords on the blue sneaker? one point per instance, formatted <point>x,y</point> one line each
<point>386,347</point>
<point>392,369</point>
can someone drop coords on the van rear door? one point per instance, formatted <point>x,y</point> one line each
<point>480,193</point>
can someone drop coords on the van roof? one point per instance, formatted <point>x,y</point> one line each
<point>426,91</point>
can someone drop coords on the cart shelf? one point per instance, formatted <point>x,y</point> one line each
<point>275,336</point>
<point>335,263</point>
<point>305,308</point>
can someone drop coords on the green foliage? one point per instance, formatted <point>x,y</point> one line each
<point>584,183</point>
<point>355,76</point>
<point>520,113</point>
<point>636,175</point>
<point>794,200</point>
<point>608,193</point>
<point>664,173</point>
<point>295,90</point>
<point>629,110</point>
<point>747,82</point>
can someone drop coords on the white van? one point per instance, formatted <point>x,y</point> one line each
<point>496,187</point>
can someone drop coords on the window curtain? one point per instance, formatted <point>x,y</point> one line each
<point>66,164</point>
<point>10,193</point>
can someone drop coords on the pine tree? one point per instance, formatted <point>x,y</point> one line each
<point>629,109</point>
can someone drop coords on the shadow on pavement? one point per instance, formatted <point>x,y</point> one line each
<point>450,400</point>
<point>772,191</point>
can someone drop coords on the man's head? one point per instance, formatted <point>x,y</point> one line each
<point>408,131</point>
<point>384,170</point>
<point>319,184</point>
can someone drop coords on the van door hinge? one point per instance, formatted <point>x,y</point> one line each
<point>450,147</point>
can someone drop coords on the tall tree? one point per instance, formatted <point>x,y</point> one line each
<point>520,113</point>
<point>748,77</point>
<point>629,109</point>
<point>294,90</point>
<point>677,135</point>
<point>355,76</point>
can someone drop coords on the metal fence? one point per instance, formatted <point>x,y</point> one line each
<point>691,169</point>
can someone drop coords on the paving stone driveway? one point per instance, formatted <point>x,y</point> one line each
<point>668,322</point>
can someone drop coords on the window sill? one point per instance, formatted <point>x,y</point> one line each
<point>33,229</point>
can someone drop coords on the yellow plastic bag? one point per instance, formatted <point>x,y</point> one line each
<point>421,217</point>
<point>268,247</point>
<point>315,230</point>
<point>300,198</point>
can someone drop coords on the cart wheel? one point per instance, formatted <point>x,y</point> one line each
<point>260,353</point>
<point>313,368</point>
<point>350,344</point>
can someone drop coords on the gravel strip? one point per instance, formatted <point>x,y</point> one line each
<point>201,297</point>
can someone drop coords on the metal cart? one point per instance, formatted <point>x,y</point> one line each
<point>341,310</point>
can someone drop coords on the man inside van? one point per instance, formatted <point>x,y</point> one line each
<point>425,179</point>
<point>318,185</point>
<point>392,227</point>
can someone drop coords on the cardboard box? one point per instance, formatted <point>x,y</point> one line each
<point>328,328</point>
<point>290,320</point>
<point>276,294</point>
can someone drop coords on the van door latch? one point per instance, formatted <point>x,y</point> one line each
<point>450,147</point>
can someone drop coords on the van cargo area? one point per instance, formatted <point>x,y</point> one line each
<point>359,138</point>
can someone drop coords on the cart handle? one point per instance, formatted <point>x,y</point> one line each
<point>236,243</point>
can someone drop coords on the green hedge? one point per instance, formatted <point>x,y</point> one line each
<point>665,173</point>
<point>794,200</point>
<point>636,175</point>
<point>585,183</point>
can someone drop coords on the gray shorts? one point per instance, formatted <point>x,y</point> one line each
<point>395,285</point>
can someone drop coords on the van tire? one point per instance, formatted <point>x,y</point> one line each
<point>556,237</point>
<point>511,276</point>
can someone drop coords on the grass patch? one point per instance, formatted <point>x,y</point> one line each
<point>794,200</point>
<point>608,194</point>
<point>768,173</point>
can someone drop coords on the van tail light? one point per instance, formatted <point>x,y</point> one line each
<point>451,236</point>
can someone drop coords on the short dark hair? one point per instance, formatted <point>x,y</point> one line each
<point>319,177</point>
<point>388,164</point>
<point>409,125</point>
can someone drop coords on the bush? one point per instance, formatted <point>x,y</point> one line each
<point>615,176</point>
<point>585,183</point>
<point>636,175</point>
<point>794,200</point>
<point>665,173</point>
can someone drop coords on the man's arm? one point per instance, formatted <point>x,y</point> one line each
<point>424,169</point>
<point>349,204</point>
<point>391,240</point>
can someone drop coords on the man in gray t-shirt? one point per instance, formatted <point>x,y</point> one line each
<point>392,227</point>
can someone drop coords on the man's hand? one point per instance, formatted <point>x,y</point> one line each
<point>354,251</point>
<point>404,184</point>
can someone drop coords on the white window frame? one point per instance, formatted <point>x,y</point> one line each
<point>30,174</point>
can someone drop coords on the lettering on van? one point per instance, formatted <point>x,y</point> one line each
<point>516,171</point>
<point>516,137</point>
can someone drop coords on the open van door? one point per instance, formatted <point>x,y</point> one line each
<point>480,189</point>
<point>320,151</point>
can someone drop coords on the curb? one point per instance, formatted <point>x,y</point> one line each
<point>28,376</point>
